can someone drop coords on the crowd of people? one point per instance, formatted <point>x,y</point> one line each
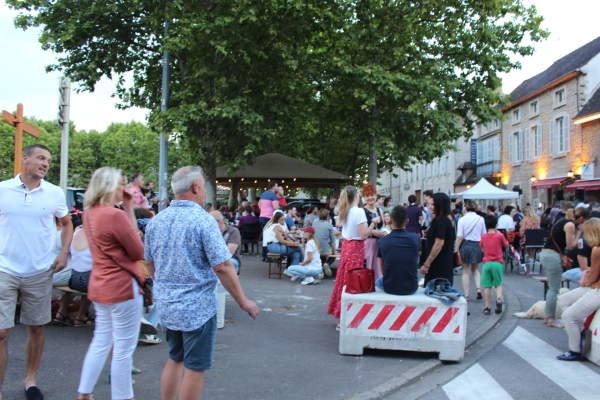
<point>127,255</point>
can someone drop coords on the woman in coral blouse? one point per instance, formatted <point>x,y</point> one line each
<point>116,284</point>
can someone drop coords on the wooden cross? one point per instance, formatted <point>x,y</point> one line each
<point>21,126</point>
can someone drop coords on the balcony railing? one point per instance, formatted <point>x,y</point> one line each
<point>488,168</point>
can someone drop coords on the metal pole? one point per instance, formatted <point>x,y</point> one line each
<point>163,166</point>
<point>64,143</point>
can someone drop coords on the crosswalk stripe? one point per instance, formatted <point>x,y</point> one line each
<point>475,383</point>
<point>573,377</point>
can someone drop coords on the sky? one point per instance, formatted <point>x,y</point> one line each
<point>23,78</point>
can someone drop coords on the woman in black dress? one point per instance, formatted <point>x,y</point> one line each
<point>441,236</point>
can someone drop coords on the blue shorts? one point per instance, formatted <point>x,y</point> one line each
<point>194,348</point>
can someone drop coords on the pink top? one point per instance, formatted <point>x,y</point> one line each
<point>138,198</point>
<point>492,246</point>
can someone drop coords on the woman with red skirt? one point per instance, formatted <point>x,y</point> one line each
<point>354,231</point>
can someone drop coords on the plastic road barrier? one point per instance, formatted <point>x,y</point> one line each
<point>413,323</point>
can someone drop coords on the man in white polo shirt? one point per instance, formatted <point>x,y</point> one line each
<point>28,206</point>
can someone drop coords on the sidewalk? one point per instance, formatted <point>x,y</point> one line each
<point>290,351</point>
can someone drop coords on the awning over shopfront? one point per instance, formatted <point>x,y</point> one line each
<point>548,183</point>
<point>592,184</point>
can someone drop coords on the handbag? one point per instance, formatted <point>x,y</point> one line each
<point>360,280</point>
<point>146,288</point>
<point>565,261</point>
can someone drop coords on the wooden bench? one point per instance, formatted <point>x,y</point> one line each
<point>275,264</point>
<point>67,289</point>
<point>544,280</point>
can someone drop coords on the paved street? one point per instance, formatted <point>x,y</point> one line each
<point>514,361</point>
<point>290,351</point>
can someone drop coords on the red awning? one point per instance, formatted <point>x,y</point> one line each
<point>593,184</point>
<point>548,183</point>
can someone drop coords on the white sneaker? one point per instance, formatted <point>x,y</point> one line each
<point>308,280</point>
<point>294,278</point>
<point>321,276</point>
<point>317,280</point>
<point>285,272</point>
<point>326,269</point>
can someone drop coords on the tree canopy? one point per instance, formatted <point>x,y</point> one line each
<point>349,85</point>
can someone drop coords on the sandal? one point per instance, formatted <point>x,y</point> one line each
<point>479,296</point>
<point>487,311</point>
<point>84,322</point>
<point>64,320</point>
<point>498,306</point>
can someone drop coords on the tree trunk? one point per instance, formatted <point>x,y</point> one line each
<point>372,175</point>
<point>210,175</point>
<point>233,193</point>
<point>252,195</point>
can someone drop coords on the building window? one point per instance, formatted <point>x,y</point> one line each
<point>559,135</point>
<point>516,116</point>
<point>560,97</point>
<point>515,147</point>
<point>428,170</point>
<point>496,123</point>
<point>534,109</point>
<point>535,140</point>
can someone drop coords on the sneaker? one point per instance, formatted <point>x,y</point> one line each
<point>326,269</point>
<point>321,276</point>
<point>308,280</point>
<point>570,356</point>
<point>285,272</point>
<point>317,280</point>
<point>294,277</point>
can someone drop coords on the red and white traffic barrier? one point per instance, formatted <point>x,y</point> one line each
<point>413,323</point>
<point>594,354</point>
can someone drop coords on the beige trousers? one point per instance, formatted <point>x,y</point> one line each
<point>577,305</point>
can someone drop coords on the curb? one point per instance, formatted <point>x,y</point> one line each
<point>394,385</point>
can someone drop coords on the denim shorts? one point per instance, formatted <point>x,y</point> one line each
<point>194,348</point>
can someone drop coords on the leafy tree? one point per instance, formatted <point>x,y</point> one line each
<point>350,85</point>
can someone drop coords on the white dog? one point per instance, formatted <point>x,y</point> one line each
<point>538,310</point>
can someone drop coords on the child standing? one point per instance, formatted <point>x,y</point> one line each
<point>493,263</point>
<point>310,269</point>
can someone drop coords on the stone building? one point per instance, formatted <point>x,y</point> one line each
<point>550,136</point>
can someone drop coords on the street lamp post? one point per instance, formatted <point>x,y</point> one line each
<point>162,164</point>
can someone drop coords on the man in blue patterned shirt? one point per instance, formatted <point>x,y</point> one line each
<point>185,253</point>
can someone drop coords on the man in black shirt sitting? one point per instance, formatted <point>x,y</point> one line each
<point>398,257</point>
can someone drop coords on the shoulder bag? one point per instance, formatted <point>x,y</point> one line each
<point>566,262</point>
<point>146,288</point>
<point>360,280</point>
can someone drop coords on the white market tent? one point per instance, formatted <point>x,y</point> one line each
<point>484,190</point>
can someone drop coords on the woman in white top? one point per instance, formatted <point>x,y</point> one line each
<point>275,236</point>
<point>470,228</point>
<point>354,231</point>
<point>81,261</point>
<point>310,269</point>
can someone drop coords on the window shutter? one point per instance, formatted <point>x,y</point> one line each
<point>551,138</point>
<point>511,156</point>
<point>449,169</point>
<point>442,166</point>
<point>495,149</point>
<point>479,153</point>
<point>567,130</point>
<point>526,144</point>
<point>519,146</point>
<point>539,140</point>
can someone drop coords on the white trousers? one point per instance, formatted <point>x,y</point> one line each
<point>118,326</point>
